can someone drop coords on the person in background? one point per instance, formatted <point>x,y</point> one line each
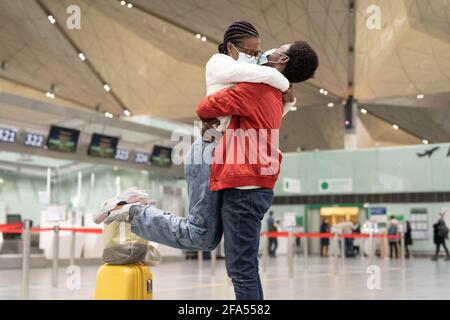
<point>440,233</point>
<point>345,227</point>
<point>324,242</point>
<point>408,238</point>
<point>356,241</point>
<point>273,242</point>
<point>277,229</point>
<point>393,231</point>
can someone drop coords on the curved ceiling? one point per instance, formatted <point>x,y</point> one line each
<point>153,62</point>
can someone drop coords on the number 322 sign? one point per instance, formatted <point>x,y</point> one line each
<point>34,140</point>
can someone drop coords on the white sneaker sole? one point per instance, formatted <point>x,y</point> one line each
<point>132,195</point>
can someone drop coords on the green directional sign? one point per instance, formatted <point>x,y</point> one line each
<point>291,185</point>
<point>336,185</point>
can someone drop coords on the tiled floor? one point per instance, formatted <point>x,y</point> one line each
<point>420,279</point>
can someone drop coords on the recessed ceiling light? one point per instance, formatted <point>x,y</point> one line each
<point>198,35</point>
<point>81,56</point>
<point>107,87</point>
<point>51,19</point>
<point>130,5</point>
<point>330,105</point>
<point>109,115</point>
<point>127,113</point>
<point>321,91</point>
<point>420,96</point>
<point>204,39</point>
<point>123,2</point>
<point>395,126</point>
<point>424,141</point>
<point>50,95</point>
<point>363,111</point>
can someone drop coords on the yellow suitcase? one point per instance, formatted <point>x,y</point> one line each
<point>124,282</point>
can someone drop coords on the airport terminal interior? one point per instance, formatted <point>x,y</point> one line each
<point>97,97</point>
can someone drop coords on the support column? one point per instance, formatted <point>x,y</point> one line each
<point>351,107</point>
<point>351,124</point>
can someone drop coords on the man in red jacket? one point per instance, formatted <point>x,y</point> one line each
<point>247,162</point>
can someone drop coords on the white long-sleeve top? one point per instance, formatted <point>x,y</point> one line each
<point>222,71</point>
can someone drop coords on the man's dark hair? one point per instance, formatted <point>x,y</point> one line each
<point>302,64</point>
<point>237,32</point>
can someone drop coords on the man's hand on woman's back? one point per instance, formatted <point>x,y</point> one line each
<point>289,95</point>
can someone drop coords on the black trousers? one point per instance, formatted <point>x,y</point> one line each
<point>393,247</point>
<point>438,245</point>
<point>273,245</point>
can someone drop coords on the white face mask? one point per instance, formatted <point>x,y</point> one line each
<point>245,58</point>
<point>264,57</point>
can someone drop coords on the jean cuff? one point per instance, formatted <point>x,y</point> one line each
<point>134,215</point>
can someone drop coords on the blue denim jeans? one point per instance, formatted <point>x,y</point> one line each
<point>202,228</point>
<point>242,212</point>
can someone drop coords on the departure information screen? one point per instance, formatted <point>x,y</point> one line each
<point>103,146</point>
<point>161,156</point>
<point>62,139</point>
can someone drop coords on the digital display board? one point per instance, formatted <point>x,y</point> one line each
<point>103,146</point>
<point>161,156</point>
<point>34,140</point>
<point>142,157</point>
<point>8,135</point>
<point>122,155</point>
<point>62,139</point>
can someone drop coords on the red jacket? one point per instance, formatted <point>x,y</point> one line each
<point>249,156</point>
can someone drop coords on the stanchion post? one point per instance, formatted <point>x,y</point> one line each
<point>55,256</point>
<point>26,259</point>
<point>362,247</point>
<point>386,247</point>
<point>371,247</point>
<point>72,248</point>
<point>290,255</point>
<point>335,252</point>
<point>343,251</point>
<point>305,251</point>
<point>200,260</point>
<point>402,248</point>
<point>265,252</point>
<point>213,262</point>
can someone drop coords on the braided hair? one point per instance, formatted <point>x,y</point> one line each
<point>236,32</point>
